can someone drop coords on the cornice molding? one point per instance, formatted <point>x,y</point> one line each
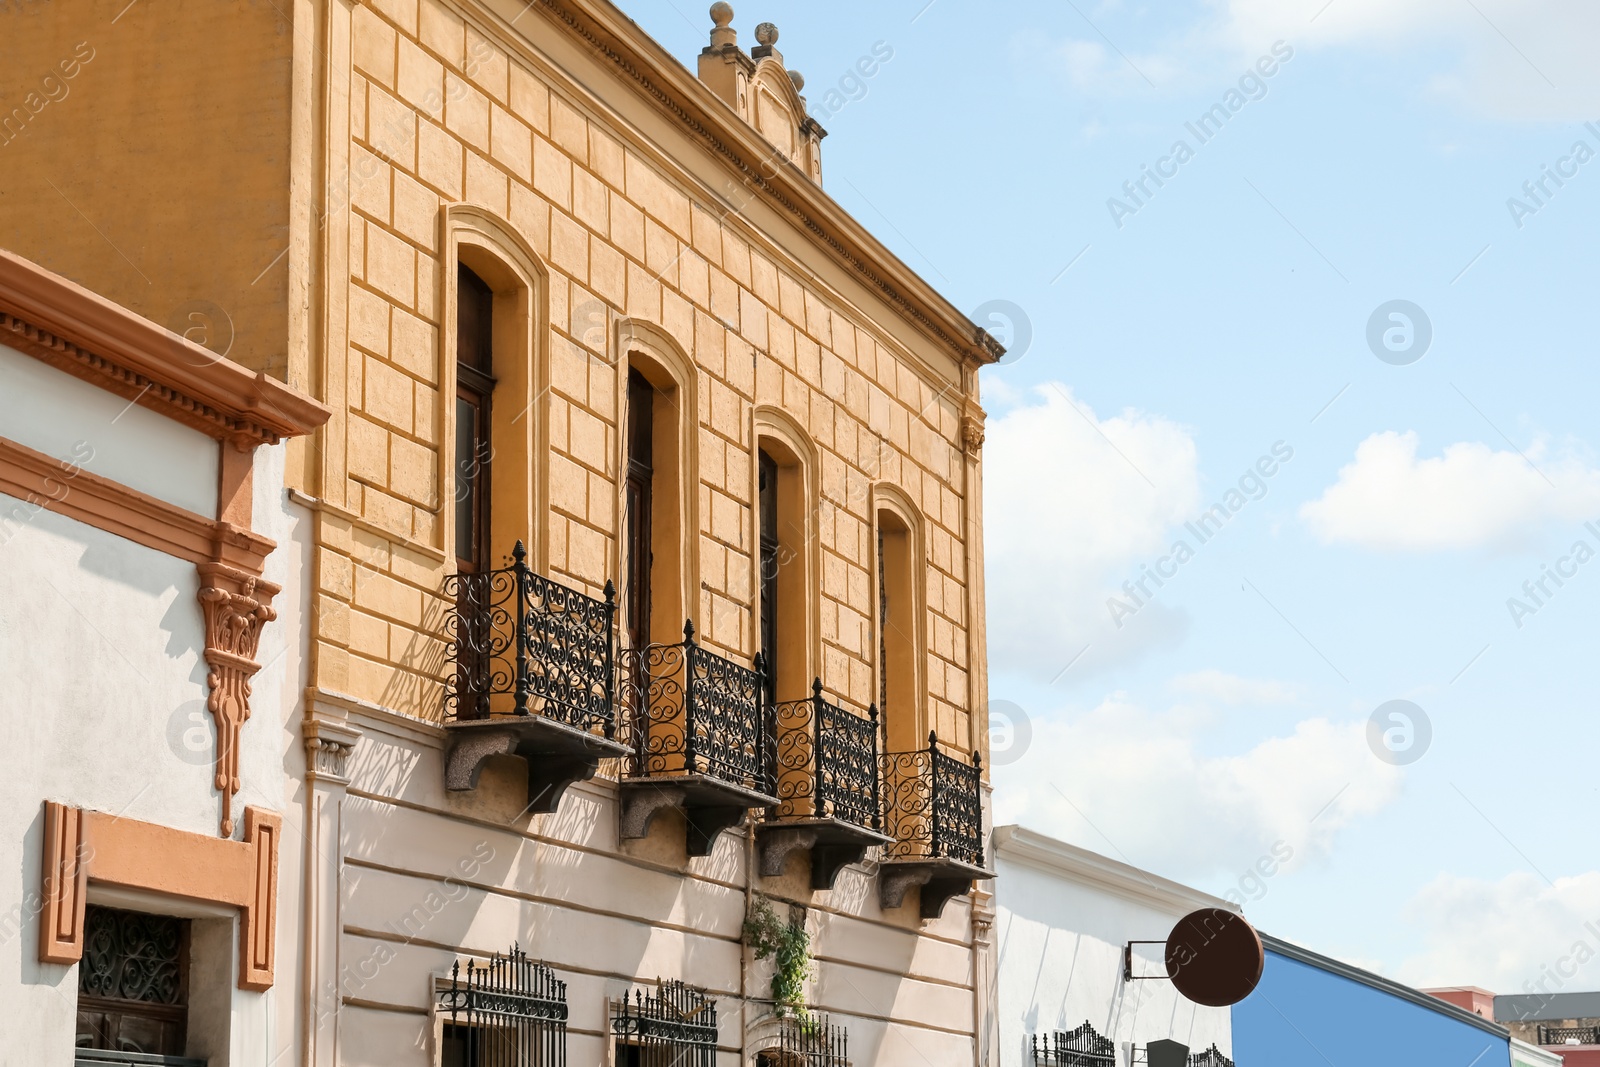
<point>41,481</point>
<point>1021,845</point>
<point>83,334</point>
<point>680,93</point>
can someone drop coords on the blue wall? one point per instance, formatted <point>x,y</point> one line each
<point>1303,1016</point>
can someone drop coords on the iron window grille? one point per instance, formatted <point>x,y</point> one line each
<point>690,711</point>
<point>133,983</point>
<point>1562,1035</point>
<point>1083,1047</point>
<point>933,805</point>
<point>523,644</point>
<point>807,1041</point>
<point>509,1012</point>
<point>676,1026</point>
<point>1211,1057</point>
<point>828,764</point>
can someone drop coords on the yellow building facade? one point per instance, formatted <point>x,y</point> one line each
<point>642,553</point>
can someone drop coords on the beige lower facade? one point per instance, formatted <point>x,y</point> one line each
<point>406,880</point>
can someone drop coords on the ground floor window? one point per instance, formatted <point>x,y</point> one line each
<point>676,1026</point>
<point>133,983</point>
<point>507,1012</point>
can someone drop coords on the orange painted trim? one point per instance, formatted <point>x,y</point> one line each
<point>90,337</point>
<point>128,854</point>
<point>65,885</point>
<point>60,486</point>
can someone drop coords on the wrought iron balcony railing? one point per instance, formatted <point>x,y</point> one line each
<point>523,644</point>
<point>828,764</point>
<point>1569,1035</point>
<point>933,806</point>
<point>689,711</point>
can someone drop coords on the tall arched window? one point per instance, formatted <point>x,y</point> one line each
<point>898,630</point>
<point>495,382</point>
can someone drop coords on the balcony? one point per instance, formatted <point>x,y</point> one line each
<point>829,789</point>
<point>1569,1035</point>
<point>933,812</point>
<point>701,736</point>
<point>534,677</point>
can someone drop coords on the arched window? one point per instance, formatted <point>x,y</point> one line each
<point>899,623</point>
<point>496,378</point>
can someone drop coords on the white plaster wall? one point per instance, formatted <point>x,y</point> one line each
<point>1059,944</point>
<point>67,418</point>
<point>102,706</point>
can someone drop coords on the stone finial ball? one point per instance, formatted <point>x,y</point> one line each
<point>767,34</point>
<point>721,14</point>
<point>799,81</point>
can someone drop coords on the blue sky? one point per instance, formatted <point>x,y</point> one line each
<point>1172,350</point>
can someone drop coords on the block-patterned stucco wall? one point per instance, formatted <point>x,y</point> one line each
<point>440,113</point>
<point>146,154</point>
<point>441,110</point>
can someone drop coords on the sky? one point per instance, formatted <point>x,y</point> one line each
<point>1316,270</point>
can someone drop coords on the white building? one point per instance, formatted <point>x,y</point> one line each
<point>141,494</point>
<point>1064,918</point>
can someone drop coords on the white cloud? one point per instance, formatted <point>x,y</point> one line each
<point>1068,513</point>
<point>1509,59</point>
<point>1512,59</point>
<point>1233,690</point>
<point>1135,785</point>
<point>1471,496</point>
<point>1501,935</point>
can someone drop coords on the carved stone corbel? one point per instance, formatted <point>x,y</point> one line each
<point>971,435</point>
<point>237,604</point>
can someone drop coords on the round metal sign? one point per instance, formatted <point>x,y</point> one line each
<point>1214,957</point>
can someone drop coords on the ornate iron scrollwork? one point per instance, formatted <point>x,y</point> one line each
<point>690,711</point>
<point>933,805</point>
<point>523,644</point>
<point>828,765</point>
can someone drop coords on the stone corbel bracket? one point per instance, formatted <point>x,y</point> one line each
<point>832,843</point>
<point>942,880</point>
<point>84,848</point>
<point>237,604</point>
<point>557,756</point>
<point>709,807</point>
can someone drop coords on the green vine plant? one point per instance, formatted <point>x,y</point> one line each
<point>788,945</point>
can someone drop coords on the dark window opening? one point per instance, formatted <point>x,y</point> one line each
<point>473,447</point>
<point>133,983</point>
<point>883,630</point>
<point>767,493</point>
<point>637,508</point>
